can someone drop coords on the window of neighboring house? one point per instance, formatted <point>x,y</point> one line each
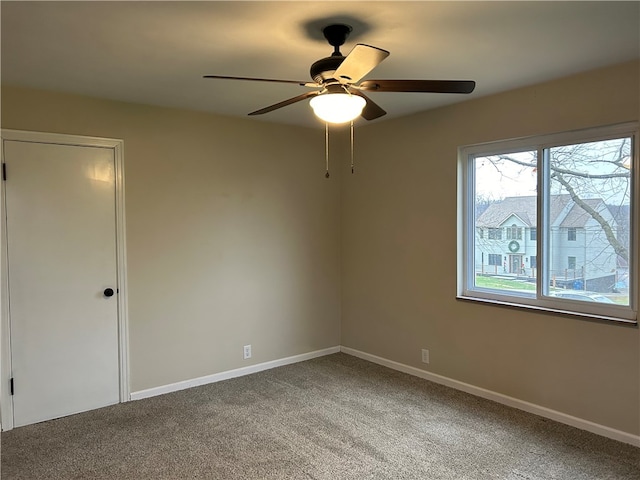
<point>480,232</point>
<point>514,233</point>
<point>585,179</point>
<point>495,259</point>
<point>495,234</point>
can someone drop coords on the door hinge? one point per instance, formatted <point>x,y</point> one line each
<point>11,386</point>
<point>4,171</point>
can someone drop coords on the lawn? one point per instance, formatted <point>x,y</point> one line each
<point>503,283</point>
<point>507,284</point>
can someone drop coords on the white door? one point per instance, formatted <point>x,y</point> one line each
<point>61,244</point>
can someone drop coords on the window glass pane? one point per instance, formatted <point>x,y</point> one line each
<point>589,220</point>
<point>505,205</point>
<point>495,259</point>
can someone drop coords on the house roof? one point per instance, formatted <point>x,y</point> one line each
<point>577,216</point>
<point>621,213</point>
<point>524,207</point>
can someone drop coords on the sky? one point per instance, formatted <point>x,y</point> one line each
<point>497,179</point>
<point>512,179</point>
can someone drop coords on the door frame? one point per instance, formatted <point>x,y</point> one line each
<point>518,265</point>
<point>6,403</point>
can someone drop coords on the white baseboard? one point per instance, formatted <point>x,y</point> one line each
<point>500,398</point>
<point>433,377</point>
<point>238,372</point>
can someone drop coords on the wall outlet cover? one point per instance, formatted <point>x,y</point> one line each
<point>425,355</point>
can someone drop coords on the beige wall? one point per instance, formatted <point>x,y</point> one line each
<point>232,233</point>
<point>399,257</point>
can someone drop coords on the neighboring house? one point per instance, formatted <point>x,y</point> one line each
<point>622,215</point>
<point>581,256</point>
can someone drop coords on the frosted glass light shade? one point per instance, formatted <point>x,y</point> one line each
<point>337,107</point>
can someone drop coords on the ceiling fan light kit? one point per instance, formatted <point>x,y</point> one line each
<point>337,107</point>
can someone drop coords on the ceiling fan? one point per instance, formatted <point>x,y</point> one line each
<point>339,97</point>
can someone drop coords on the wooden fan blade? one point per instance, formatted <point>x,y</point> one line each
<point>284,103</point>
<point>371,110</point>
<point>432,86</point>
<point>360,61</point>
<point>298,82</point>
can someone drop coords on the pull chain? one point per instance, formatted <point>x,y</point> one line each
<point>352,147</point>
<point>326,148</point>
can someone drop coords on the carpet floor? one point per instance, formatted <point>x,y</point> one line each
<point>334,417</point>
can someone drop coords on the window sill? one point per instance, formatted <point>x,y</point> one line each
<point>583,316</point>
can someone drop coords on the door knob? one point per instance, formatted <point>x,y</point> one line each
<point>108,292</point>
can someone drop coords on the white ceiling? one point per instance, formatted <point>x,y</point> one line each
<point>156,52</point>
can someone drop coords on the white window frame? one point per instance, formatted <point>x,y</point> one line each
<point>466,288</point>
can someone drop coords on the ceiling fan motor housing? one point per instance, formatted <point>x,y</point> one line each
<point>323,69</point>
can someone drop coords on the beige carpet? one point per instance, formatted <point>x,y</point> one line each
<point>335,417</point>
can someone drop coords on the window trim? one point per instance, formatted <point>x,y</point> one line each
<point>538,301</point>
<point>514,232</point>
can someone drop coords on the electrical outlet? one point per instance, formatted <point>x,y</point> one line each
<point>247,351</point>
<point>425,355</point>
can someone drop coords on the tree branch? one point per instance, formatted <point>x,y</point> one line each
<point>608,231</point>
<point>575,173</point>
